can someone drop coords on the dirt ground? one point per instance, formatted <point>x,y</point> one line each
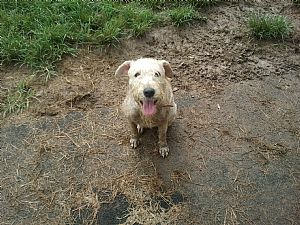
<point>234,147</point>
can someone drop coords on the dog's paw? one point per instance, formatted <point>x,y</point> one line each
<point>140,129</point>
<point>134,142</point>
<point>164,151</point>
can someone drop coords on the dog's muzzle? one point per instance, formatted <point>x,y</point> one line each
<point>149,102</point>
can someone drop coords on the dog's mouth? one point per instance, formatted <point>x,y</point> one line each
<point>148,106</point>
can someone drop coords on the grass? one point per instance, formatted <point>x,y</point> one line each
<point>269,27</point>
<point>183,15</point>
<point>167,4</point>
<point>39,33</point>
<point>18,100</point>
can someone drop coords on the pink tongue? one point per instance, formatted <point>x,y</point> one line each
<point>149,107</point>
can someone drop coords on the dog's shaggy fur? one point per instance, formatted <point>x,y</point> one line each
<point>149,101</point>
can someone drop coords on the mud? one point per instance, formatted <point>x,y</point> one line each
<point>234,147</point>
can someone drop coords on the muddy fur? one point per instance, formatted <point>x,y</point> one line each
<point>149,73</point>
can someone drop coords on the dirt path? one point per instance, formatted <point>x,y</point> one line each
<point>234,147</point>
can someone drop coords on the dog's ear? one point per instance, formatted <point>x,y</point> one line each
<point>123,69</point>
<point>168,69</point>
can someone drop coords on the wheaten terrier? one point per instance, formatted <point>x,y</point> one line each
<point>149,101</point>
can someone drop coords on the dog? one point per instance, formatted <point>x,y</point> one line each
<point>149,101</point>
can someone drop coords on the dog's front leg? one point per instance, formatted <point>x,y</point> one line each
<point>162,138</point>
<point>134,140</point>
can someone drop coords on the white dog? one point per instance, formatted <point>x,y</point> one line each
<point>149,101</point>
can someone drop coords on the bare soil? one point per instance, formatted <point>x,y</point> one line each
<point>234,147</point>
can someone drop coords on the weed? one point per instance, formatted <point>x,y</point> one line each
<point>184,15</point>
<point>139,21</point>
<point>18,100</point>
<point>111,32</point>
<point>269,27</point>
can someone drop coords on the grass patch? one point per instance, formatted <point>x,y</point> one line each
<point>167,4</point>
<point>139,19</point>
<point>39,33</point>
<point>18,100</point>
<point>269,27</point>
<point>184,15</point>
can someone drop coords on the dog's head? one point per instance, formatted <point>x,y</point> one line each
<point>147,82</point>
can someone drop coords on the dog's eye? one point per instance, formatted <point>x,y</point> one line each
<point>137,74</point>
<point>157,74</point>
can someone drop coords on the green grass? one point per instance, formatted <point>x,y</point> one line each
<point>38,33</point>
<point>167,4</point>
<point>269,27</point>
<point>184,15</point>
<point>18,100</point>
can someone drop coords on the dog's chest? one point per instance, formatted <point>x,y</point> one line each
<point>149,121</point>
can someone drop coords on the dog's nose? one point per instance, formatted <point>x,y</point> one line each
<point>149,92</point>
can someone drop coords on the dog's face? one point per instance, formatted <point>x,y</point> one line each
<point>147,82</point>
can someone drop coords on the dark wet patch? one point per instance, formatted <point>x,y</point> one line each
<point>167,202</point>
<point>177,198</point>
<point>45,124</point>
<point>70,118</point>
<point>113,213</point>
<point>15,134</point>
